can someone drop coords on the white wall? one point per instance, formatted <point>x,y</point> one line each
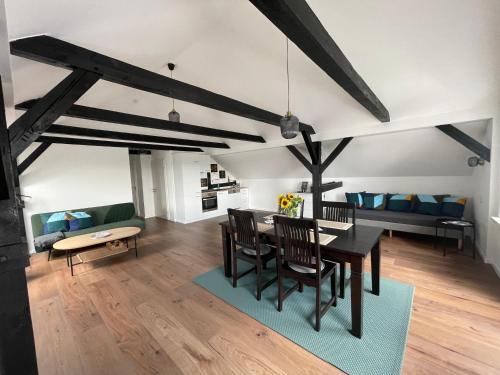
<point>67,177</point>
<point>493,254</point>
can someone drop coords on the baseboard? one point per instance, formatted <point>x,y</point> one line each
<point>496,269</point>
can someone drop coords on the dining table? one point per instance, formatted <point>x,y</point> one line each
<point>351,245</point>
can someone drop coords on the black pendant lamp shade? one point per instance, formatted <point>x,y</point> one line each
<point>289,123</point>
<point>173,115</point>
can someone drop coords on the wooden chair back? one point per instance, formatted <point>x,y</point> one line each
<point>296,238</point>
<point>243,229</point>
<point>338,211</point>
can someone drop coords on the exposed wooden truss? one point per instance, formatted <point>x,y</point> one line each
<point>299,23</point>
<point>97,133</point>
<point>41,115</point>
<point>316,167</point>
<point>94,142</point>
<point>467,141</point>
<point>114,117</point>
<point>32,157</point>
<point>57,52</point>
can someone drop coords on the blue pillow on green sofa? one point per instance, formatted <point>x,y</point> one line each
<point>356,198</point>
<point>79,220</point>
<point>56,223</point>
<point>373,201</point>
<point>428,204</point>
<point>453,206</point>
<point>400,202</point>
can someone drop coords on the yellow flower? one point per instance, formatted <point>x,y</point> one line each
<point>280,197</point>
<point>290,196</point>
<point>285,203</point>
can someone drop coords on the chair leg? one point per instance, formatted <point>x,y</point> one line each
<point>280,293</point>
<point>301,287</point>
<point>48,258</point>
<point>235,271</point>
<point>333,286</point>
<point>258,267</point>
<point>342,280</point>
<point>318,308</point>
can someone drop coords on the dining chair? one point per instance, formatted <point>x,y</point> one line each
<point>247,246</point>
<point>339,211</point>
<point>301,261</point>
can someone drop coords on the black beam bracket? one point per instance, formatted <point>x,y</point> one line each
<point>466,140</point>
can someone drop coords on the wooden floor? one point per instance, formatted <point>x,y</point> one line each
<point>145,316</point>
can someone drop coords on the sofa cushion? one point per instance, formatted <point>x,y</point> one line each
<point>428,204</point>
<point>356,198</point>
<point>133,222</point>
<point>119,212</point>
<point>400,202</point>
<point>79,220</point>
<point>410,218</point>
<point>453,206</point>
<point>56,223</point>
<point>373,201</point>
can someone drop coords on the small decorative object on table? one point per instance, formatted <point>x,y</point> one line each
<point>102,234</point>
<point>289,204</point>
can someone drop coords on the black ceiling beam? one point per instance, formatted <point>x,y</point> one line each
<point>97,133</point>
<point>466,140</point>
<point>32,157</point>
<point>299,23</point>
<point>113,117</point>
<point>300,157</point>
<point>330,186</point>
<point>336,152</point>
<point>310,147</point>
<point>95,142</point>
<point>57,52</point>
<point>37,119</point>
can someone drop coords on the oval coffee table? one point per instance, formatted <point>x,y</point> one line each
<point>79,243</point>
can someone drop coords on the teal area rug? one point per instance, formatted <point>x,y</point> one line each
<point>385,329</point>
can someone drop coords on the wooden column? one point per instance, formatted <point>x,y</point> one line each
<point>17,345</point>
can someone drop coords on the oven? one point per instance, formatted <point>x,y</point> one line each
<point>209,201</point>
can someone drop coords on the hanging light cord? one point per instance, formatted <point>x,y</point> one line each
<point>173,106</point>
<point>287,79</point>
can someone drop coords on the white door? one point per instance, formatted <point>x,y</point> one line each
<point>159,196</point>
<point>147,186</point>
<point>136,178</point>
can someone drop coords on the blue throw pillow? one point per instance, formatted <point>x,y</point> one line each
<point>400,202</point>
<point>79,220</point>
<point>428,204</point>
<point>55,223</point>
<point>355,198</point>
<point>374,201</point>
<point>453,206</point>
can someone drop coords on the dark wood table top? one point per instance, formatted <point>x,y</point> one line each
<point>357,240</point>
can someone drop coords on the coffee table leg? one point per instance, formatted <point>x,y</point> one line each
<point>67,258</point>
<point>71,262</point>
<point>135,245</point>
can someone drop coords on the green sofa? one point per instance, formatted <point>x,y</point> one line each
<point>103,217</point>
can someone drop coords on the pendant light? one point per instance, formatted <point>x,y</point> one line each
<point>289,123</point>
<point>173,115</point>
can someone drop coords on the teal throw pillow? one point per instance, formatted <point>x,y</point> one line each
<point>56,223</point>
<point>79,220</point>
<point>374,201</point>
<point>356,198</point>
<point>400,202</point>
<point>453,206</point>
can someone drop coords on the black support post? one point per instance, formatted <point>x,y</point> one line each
<point>17,344</point>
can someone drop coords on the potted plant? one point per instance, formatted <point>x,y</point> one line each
<point>289,204</point>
